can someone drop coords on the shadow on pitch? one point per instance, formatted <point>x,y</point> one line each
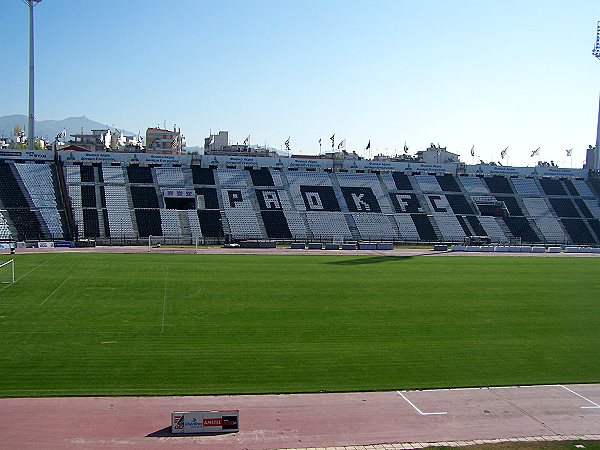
<point>369,260</point>
<point>166,432</point>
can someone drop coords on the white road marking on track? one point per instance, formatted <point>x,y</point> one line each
<point>417,409</point>
<point>596,405</point>
<point>55,290</point>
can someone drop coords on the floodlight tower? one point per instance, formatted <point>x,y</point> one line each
<point>596,53</point>
<point>30,126</point>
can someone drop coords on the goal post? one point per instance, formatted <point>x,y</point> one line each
<point>7,272</point>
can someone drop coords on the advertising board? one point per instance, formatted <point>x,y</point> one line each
<point>202,422</point>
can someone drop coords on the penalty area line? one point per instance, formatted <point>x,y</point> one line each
<point>417,409</point>
<point>55,290</point>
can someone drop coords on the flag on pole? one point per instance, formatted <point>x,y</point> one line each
<point>319,141</point>
<point>569,152</point>
<point>247,140</point>
<point>174,144</point>
<point>332,141</point>
<point>535,152</point>
<point>368,145</point>
<point>405,147</point>
<point>287,144</point>
<point>473,151</point>
<point>342,144</point>
<point>63,133</point>
<point>503,153</point>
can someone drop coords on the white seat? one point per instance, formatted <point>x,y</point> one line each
<point>374,226</point>
<point>406,227</point>
<point>474,185</point>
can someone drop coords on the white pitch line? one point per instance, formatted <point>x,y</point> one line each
<point>162,327</point>
<point>417,409</point>
<point>23,276</point>
<point>596,405</point>
<point>54,291</point>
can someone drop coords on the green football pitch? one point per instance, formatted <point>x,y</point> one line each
<point>141,324</point>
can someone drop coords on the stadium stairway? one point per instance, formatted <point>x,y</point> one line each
<point>62,194</point>
<point>388,198</point>
<point>536,230</point>
<point>101,225</point>
<point>225,224</point>
<point>466,225</point>
<point>394,223</point>
<point>352,227</point>
<point>286,185</point>
<point>184,223</point>
<point>436,228</point>
<point>255,205</point>
<point>131,210</point>
<point>520,203</point>
<point>338,194</point>
<point>309,234</point>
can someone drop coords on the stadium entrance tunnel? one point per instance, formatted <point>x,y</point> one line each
<point>369,260</point>
<point>180,203</point>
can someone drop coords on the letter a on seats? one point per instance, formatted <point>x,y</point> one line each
<point>271,200</point>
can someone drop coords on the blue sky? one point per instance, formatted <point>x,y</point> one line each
<point>492,74</point>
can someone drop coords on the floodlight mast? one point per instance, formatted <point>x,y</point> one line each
<point>596,53</point>
<point>31,122</point>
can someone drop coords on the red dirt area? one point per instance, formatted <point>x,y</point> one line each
<point>306,420</point>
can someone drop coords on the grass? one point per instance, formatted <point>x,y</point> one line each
<point>126,324</point>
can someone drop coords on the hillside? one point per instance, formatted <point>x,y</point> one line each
<point>50,128</point>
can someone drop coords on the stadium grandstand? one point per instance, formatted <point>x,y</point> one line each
<point>118,198</point>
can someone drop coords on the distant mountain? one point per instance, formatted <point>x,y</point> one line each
<point>50,128</point>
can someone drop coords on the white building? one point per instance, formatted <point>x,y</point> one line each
<point>437,155</point>
<point>96,141</point>
<point>218,144</point>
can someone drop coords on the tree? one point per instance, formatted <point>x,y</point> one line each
<point>24,146</point>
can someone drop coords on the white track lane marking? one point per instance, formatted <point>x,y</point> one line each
<point>55,290</point>
<point>490,387</point>
<point>596,405</point>
<point>417,409</point>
